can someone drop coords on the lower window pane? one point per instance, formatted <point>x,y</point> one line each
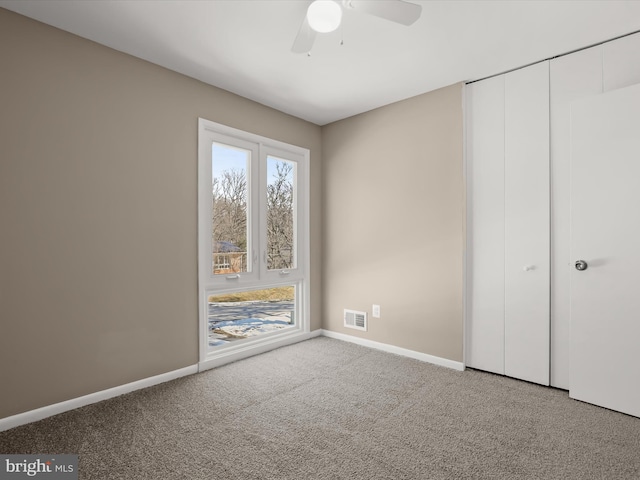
<point>247,314</point>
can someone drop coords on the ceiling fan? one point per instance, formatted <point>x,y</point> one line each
<point>324,16</point>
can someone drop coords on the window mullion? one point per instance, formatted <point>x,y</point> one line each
<point>261,180</point>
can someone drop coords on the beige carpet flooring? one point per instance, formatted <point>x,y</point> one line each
<point>326,409</point>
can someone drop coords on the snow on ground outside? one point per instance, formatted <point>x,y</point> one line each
<point>231,321</point>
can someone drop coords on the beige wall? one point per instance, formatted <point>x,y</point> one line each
<point>98,156</point>
<point>393,198</point>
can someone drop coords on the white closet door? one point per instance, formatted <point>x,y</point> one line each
<point>485,228</point>
<point>605,326</point>
<point>571,77</point>
<point>527,223</point>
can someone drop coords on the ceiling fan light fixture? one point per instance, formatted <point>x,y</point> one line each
<point>324,16</point>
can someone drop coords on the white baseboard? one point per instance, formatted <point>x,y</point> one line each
<point>50,410</point>
<point>424,357</point>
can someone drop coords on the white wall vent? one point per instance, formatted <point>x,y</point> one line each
<point>354,319</point>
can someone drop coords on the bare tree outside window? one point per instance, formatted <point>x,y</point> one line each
<point>229,218</point>
<point>280,205</point>
<point>229,210</point>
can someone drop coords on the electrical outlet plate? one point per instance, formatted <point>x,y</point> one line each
<point>375,312</point>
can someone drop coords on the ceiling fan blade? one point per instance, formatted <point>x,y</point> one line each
<point>397,11</point>
<point>305,38</point>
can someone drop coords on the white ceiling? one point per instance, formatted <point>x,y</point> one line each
<point>244,45</point>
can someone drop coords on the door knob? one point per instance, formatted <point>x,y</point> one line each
<point>581,265</point>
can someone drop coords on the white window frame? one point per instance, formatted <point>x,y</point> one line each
<point>259,277</point>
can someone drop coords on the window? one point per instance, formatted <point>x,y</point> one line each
<point>253,240</point>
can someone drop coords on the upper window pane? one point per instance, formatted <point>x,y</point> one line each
<point>229,235</point>
<point>281,195</point>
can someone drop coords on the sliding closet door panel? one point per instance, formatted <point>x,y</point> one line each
<point>485,213</point>
<point>621,62</point>
<point>572,77</point>
<point>527,223</point>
